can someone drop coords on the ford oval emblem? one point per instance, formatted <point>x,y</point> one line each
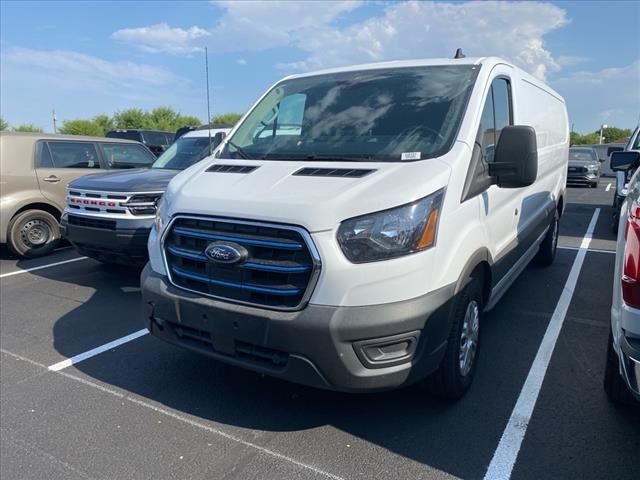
<point>226,252</point>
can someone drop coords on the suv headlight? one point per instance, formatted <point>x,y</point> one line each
<point>161,215</point>
<point>392,233</point>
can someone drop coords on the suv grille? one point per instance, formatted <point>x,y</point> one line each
<point>113,204</point>
<point>280,271</point>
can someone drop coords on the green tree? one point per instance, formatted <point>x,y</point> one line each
<point>188,121</point>
<point>611,134</point>
<point>131,118</point>
<point>27,127</point>
<point>105,122</point>
<point>82,127</point>
<point>163,118</point>
<point>3,125</point>
<point>229,118</point>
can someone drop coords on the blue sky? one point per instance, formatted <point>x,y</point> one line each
<point>87,58</point>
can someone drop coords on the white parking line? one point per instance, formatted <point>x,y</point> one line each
<point>48,265</point>
<point>597,250</point>
<point>97,351</point>
<point>506,453</point>
<point>608,187</point>
<point>182,418</point>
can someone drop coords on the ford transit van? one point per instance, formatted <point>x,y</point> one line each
<point>356,224</point>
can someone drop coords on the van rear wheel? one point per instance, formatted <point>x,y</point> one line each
<point>457,370</point>
<point>547,253</point>
<point>33,233</point>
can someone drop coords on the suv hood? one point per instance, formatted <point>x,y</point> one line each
<point>137,180</point>
<point>272,193</point>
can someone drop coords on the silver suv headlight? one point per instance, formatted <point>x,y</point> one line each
<point>392,233</point>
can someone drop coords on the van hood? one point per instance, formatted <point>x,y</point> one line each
<point>137,180</point>
<point>272,192</point>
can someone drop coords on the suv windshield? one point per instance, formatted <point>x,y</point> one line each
<point>583,154</point>
<point>381,115</point>
<point>183,153</point>
<point>155,138</point>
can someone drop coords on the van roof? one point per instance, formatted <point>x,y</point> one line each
<point>489,62</point>
<point>60,136</point>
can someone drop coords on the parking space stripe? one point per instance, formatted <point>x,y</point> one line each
<point>182,418</point>
<point>49,265</point>
<point>608,187</point>
<point>596,250</point>
<point>97,351</point>
<point>504,458</point>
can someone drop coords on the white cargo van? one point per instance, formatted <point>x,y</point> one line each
<point>357,222</point>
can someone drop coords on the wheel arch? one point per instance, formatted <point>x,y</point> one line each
<point>478,265</point>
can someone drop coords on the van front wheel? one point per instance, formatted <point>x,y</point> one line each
<point>549,245</point>
<point>455,374</point>
<point>33,233</point>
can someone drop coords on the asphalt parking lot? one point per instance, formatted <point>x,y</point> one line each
<point>142,409</point>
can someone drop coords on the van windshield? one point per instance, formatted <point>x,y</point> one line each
<point>183,153</point>
<point>390,115</point>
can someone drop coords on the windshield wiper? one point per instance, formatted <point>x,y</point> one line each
<point>240,151</point>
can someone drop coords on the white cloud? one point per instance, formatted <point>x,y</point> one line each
<point>569,60</point>
<point>77,66</point>
<point>610,94</point>
<point>425,29</point>
<point>163,38</point>
<point>404,30</point>
<point>241,61</point>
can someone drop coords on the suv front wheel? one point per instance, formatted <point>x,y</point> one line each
<point>33,233</point>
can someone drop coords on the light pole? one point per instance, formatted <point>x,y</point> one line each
<point>601,128</point>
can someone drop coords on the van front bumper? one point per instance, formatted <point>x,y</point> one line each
<point>351,349</point>
<point>125,244</point>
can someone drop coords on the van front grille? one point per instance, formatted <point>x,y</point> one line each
<point>279,272</point>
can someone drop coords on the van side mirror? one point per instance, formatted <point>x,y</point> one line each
<point>218,138</point>
<point>624,161</point>
<point>515,162</point>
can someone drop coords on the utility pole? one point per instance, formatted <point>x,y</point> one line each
<point>53,114</point>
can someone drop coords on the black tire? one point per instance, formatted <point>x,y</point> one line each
<point>33,233</point>
<point>614,384</point>
<point>594,185</point>
<point>451,381</point>
<point>549,245</point>
<point>614,224</point>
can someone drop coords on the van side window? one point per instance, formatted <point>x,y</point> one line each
<point>495,116</point>
<point>74,155</point>
<point>43,156</point>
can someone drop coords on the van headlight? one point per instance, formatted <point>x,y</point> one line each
<point>161,215</point>
<point>392,233</point>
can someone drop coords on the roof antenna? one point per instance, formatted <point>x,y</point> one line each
<point>206,62</point>
<point>459,54</point>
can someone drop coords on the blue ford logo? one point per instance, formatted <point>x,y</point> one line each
<point>226,252</point>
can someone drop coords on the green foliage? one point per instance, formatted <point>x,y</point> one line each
<point>82,127</point>
<point>131,118</point>
<point>3,125</point>
<point>105,123</point>
<point>27,127</point>
<point>160,118</point>
<point>609,134</point>
<point>229,118</point>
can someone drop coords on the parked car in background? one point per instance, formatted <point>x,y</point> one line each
<point>622,178</point>
<point>604,152</point>
<point>354,243</point>
<point>584,167</point>
<point>155,140</point>
<point>622,373</point>
<point>190,128</point>
<point>109,216</point>
<point>35,169</point>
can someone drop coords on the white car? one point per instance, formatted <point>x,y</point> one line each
<point>622,374</point>
<point>358,248</point>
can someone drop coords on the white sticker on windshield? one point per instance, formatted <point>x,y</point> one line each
<point>411,156</point>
